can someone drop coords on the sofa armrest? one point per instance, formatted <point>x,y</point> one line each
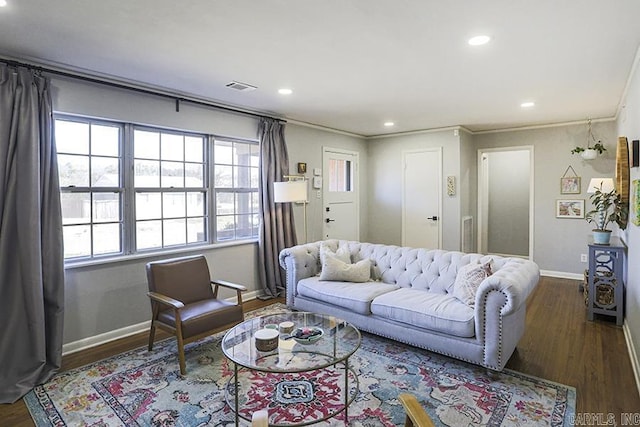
<point>500,309</point>
<point>299,262</point>
<point>515,279</point>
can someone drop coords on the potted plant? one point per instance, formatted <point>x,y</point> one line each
<point>591,152</point>
<point>608,207</point>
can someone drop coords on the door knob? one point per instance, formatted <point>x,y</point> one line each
<point>328,220</point>
<point>433,218</point>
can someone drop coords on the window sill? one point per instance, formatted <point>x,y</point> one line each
<point>70,265</point>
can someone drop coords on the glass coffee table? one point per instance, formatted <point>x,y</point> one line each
<point>297,381</point>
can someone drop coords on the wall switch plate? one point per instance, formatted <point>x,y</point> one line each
<point>584,258</point>
<point>318,194</point>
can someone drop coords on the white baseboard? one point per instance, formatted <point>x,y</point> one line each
<point>104,338</point>
<point>561,275</point>
<point>116,334</point>
<point>633,356</point>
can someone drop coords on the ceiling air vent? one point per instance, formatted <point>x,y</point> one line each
<point>242,87</point>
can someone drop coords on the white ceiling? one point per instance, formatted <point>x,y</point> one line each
<point>352,64</point>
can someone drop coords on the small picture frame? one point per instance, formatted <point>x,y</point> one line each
<point>570,208</point>
<point>302,168</point>
<point>570,185</point>
<point>451,186</point>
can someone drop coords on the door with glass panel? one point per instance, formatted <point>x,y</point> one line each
<point>340,195</point>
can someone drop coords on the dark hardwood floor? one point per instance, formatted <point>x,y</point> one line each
<point>559,345</point>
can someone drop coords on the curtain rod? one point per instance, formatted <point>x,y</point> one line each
<point>178,99</point>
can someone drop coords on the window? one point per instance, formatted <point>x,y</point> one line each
<point>89,168</point>
<point>127,189</point>
<point>340,175</point>
<point>236,189</point>
<point>170,187</point>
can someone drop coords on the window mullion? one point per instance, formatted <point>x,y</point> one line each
<point>129,226</point>
<point>211,196</point>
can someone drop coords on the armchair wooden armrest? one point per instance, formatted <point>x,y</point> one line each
<point>163,299</point>
<point>416,416</point>
<point>229,285</point>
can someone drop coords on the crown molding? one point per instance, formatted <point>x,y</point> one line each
<point>421,131</point>
<point>546,126</point>
<point>625,91</point>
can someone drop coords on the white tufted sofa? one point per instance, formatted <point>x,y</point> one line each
<point>409,298</point>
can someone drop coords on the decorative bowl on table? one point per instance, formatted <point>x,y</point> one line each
<point>307,334</point>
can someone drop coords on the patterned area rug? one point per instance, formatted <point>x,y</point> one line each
<point>141,388</point>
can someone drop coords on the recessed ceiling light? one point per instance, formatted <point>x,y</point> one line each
<point>527,104</point>
<point>389,124</point>
<point>479,40</point>
<point>3,3</point>
<point>285,91</point>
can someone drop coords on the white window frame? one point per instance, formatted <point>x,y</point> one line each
<point>93,190</point>
<point>162,190</point>
<point>235,191</point>
<point>128,191</point>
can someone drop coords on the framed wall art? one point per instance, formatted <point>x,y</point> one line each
<point>570,184</point>
<point>570,208</point>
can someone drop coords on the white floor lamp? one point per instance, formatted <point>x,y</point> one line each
<point>293,190</point>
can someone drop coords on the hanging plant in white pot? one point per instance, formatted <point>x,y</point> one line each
<point>593,148</point>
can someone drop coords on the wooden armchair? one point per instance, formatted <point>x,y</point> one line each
<point>185,304</point>
<point>416,415</point>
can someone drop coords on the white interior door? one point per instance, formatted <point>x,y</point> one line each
<point>341,218</point>
<point>421,195</point>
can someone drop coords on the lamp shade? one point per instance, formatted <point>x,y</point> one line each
<point>290,191</point>
<point>603,184</point>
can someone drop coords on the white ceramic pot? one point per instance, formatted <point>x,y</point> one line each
<point>589,154</point>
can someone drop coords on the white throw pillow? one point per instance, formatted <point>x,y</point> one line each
<point>342,253</point>
<point>334,269</point>
<point>468,281</point>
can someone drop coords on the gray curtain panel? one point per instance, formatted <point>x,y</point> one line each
<point>31,251</point>
<point>277,229</point>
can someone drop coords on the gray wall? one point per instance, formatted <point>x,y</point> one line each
<point>104,297</point>
<point>468,179</point>
<point>385,182</point>
<point>629,125</point>
<point>305,145</point>
<point>558,243</point>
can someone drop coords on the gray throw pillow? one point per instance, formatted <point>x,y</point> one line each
<point>342,253</point>
<point>468,281</point>
<point>334,269</point>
